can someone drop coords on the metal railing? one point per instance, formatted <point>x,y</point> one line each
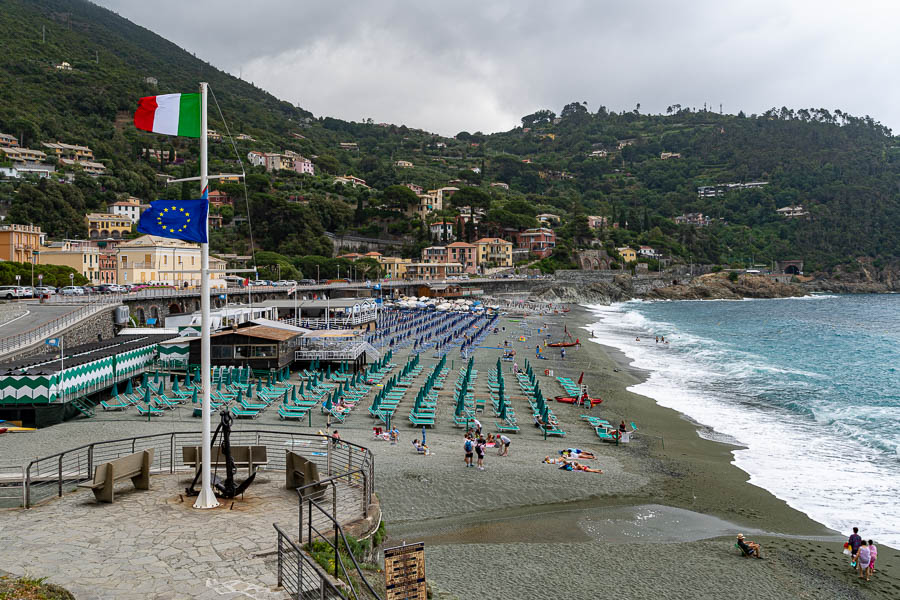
<point>298,574</point>
<point>12,484</point>
<point>56,474</point>
<point>28,338</point>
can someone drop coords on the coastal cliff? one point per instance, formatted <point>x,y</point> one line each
<point>712,286</point>
<point>861,277</point>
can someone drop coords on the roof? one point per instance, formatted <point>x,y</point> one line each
<point>279,325</point>
<point>105,217</point>
<point>492,241</point>
<point>155,241</point>
<point>333,303</point>
<point>259,331</point>
<point>460,245</point>
<point>331,333</point>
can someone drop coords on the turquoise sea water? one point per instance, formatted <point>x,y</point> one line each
<point>811,386</point>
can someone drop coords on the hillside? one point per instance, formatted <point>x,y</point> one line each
<point>841,169</point>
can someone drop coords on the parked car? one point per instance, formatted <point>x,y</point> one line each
<point>106,288</point>
<point>307,282</point>
<point>45,291</point>
<point>11,291</point>
<point>71,290</point>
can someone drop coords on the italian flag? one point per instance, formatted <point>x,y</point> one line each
<point>170,114</point>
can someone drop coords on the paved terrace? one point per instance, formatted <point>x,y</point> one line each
<point>153,544</point>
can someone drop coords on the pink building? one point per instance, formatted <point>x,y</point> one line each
<point>595,222</point>
<point>464,254</point>
<point>434,254</point>
<point>540,241</point>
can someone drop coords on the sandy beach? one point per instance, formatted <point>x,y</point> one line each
<point>659,522</point>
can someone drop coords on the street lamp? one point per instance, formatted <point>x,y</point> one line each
<point>18,278</point>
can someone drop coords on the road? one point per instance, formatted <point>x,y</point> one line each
<point>38,314</point>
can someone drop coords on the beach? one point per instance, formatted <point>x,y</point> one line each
<point>660,521</point>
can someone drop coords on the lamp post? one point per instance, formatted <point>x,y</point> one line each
<point>18,279</point>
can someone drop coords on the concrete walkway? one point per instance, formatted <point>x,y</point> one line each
<point>153,544</point>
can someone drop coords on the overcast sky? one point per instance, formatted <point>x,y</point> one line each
<point>482,65</point>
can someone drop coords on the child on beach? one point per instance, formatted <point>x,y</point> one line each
<point>873,554</point>
<point>479,451</point>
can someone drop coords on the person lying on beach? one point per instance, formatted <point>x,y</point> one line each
<point>749,548</point>
<point>554,461</point>
<point>576,466</point>
<point>577,453</point>
<point>420,448</point>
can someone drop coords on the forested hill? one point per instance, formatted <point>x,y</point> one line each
<point>639,171</point>
<point>843,170</point>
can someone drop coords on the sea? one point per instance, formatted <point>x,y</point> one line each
<point>809,386</point>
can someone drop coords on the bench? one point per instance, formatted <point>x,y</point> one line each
<point>244,456</point>
<point>134,466</point>
<point>300,471</point>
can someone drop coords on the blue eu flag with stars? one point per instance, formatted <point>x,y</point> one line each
<point>179,219</point>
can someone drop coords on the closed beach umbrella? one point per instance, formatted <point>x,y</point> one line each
<point>502,408</point>
<point>240,396</point>
<point>194,399</point>
<point>128,388</point>
<point>294,394</point>
<point>187,380</point>
<point>147,398</point>
<point>115,390</point>
<point>175,385</point>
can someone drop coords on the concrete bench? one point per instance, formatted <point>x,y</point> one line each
<point>300,471</point>
<point>244,456</point>
<point>134,466</point>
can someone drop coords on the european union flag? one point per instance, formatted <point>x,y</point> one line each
<point>179,219</point>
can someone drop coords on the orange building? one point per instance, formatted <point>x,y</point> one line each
<point>19,242</point>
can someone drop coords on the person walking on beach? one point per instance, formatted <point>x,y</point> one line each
<point>873,553</point>
<point>855,542</point>
<point>468,447</point>
<point>562,353</point>
<point>863,558</point>
<point>479,451</point>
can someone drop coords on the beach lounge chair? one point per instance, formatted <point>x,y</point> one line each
<point>419,420</point>
<point>506,427</point>
<point>240,413</point>
<point>151,410</point>
<point>114,405</point>
<point>284,413</point>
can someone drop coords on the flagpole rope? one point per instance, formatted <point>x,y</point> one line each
<point>243,176</point>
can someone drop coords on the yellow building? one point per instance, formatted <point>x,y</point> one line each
<point>627,254</point>
<point>77,254</point>
<point>19,242</point>
<point>105,225</point>
<point>494,250</point>
<point>394,267</point>
<point>151,259</point>
<point>72,151</point>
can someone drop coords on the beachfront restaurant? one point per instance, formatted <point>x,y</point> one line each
<point>262,347</point>
<point>335,346</point>
<point>335,313</point>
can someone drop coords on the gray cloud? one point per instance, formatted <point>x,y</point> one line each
<point>471,65</point>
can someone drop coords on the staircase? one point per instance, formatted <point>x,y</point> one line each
<point>84,406</point>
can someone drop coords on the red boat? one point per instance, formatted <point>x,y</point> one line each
<point>570,400</point>
<point>568,344</point>
<point>2,430</point>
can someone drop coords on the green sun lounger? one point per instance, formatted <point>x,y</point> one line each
<point>151,410</point>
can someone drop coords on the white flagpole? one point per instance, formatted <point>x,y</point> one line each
<point>206,498</point>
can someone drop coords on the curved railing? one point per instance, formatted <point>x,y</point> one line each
<point>58,473</point>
